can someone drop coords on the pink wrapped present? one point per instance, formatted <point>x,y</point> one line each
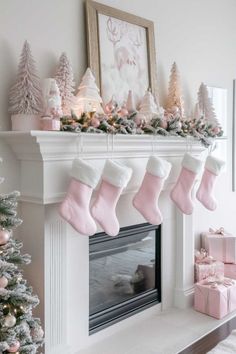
<point>204,270</point>
<point>206,266</point>
<point>48,123</point>
<point>215,298</point>
<point>220,245</point>
<point>230,270</point>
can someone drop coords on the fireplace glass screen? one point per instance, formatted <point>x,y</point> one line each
<point>124,274</point>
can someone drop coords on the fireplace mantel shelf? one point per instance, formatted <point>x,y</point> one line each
<point>41,145</point>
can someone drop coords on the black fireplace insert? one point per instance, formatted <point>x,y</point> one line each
<point>124,274</point>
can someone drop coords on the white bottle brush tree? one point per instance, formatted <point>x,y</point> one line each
<point>148,106</point>
<point>26,94</point>
<point>88,98</point>
<point>65,81</point>
<point>20,332</point>
<point>205,105</point>
<point>175,102</point>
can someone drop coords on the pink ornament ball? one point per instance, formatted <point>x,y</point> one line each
<point>216,130</point>
<point>4,237</point>
<point>124,112</point>
<point>163,124</point>
<point>3,282</point>
<point>95,122</point>
<point>140,119</point>
<point>14,347</point>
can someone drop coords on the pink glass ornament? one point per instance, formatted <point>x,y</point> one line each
<point>124,112</point>
<point>216,130</point>
<point>14,347</point>
<point>163,124</point>
<point>95,122</point>
<point>140,119</point>
<point>3,282</point>
<point>4,236</point>
<point>110,106</point>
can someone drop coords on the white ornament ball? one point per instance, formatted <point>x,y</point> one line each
<point>10,321</point>
<point>4,237</point>
<point>14,347</point>
<point>37,333</point>
<point>174,109</point>
<point>3,282</point>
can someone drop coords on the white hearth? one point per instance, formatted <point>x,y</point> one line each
<point>60,266</point>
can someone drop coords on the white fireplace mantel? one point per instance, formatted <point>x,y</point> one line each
<point>60,270</point>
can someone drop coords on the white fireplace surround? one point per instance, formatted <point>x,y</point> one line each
<point>60,257</point>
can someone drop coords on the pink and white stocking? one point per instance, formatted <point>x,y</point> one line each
<point>181,194</point>
<point>146,200</point>
<point>75,207</point>
<point>115,178</point>
<point>213,167</point>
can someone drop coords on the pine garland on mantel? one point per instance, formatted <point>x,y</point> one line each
<point>116,124</point>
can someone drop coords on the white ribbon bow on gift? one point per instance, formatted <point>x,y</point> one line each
<point>203,257</point>
<point>220,231</point>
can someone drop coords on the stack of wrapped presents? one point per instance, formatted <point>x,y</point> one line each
<point>215,274</point>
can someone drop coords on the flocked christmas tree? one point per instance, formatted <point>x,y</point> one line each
<point>148,106</point>
<point>88,98</point>
<point>205,105</point>
<point>65,81</point>
<point>174,99</point>
<point>26,94</point>
<point>20,332</point>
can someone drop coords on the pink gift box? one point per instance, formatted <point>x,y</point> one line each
<point>204,270</point>
<point>230,270</point>
<point>220,247</point>
<point>48,123</point>
<point>215,301</point>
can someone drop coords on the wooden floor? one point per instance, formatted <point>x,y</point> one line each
<point>212,339</point>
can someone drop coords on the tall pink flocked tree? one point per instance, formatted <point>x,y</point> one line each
<point>26,93</point>
<point>65,81</point>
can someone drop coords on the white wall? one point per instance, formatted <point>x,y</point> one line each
<point>199,35</point>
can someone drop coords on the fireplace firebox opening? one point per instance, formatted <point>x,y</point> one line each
<point>124,274</point>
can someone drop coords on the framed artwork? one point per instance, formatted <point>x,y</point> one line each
<point>121,52</point>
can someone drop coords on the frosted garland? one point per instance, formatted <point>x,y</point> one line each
<point>65,81</point>
<point>26,94</point>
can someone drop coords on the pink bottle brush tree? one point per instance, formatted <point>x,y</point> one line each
<point>65,81</point>
<point>25,101</point>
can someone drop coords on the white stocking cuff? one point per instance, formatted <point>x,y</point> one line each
<point>85,173</point>
<point>116,174</point>
<point>158,167</point>
<point>192,163</point>
<point>214,165</point>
